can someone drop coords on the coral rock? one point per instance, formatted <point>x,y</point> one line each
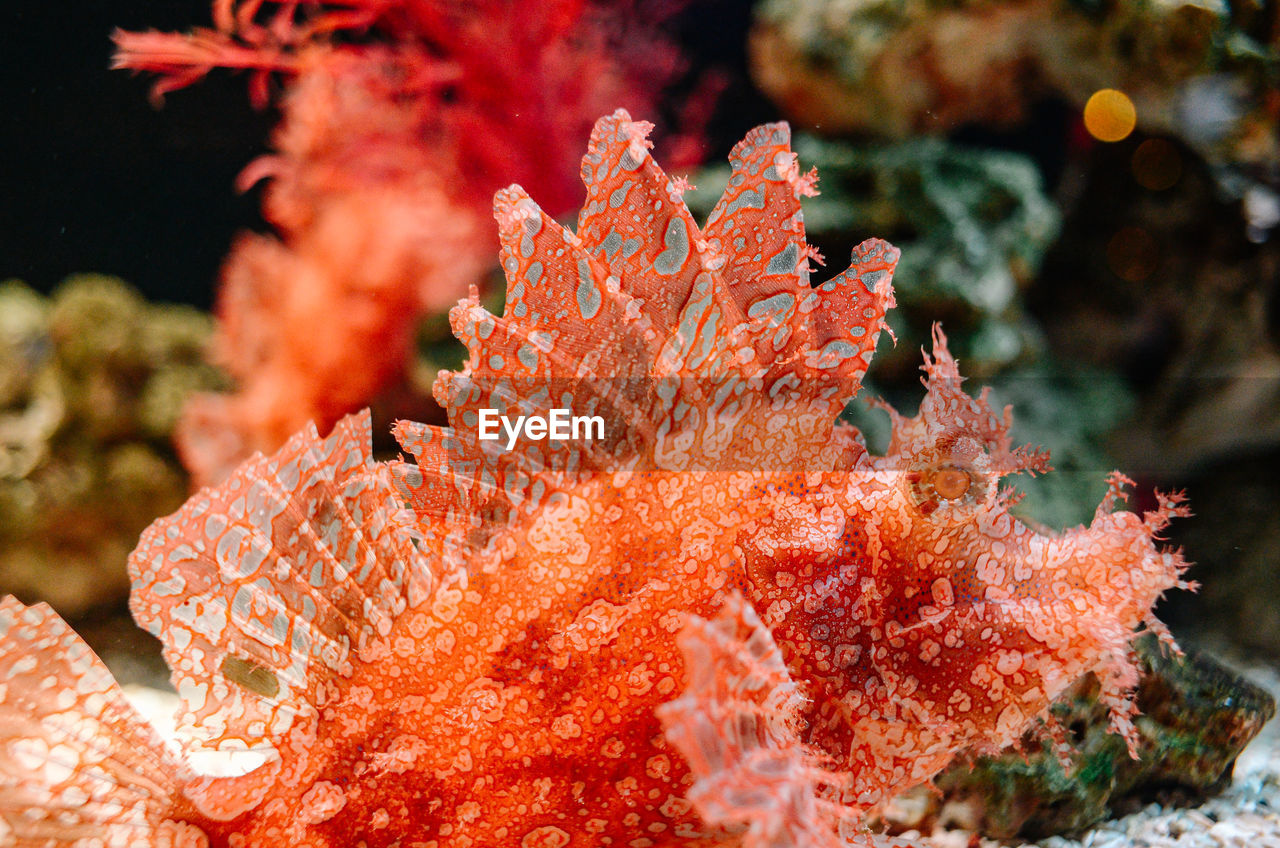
<point>1196,716</point>
<point>91,383</point>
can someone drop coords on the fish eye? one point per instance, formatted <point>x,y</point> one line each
<point>951,482</point>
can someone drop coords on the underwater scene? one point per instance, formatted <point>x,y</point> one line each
<point>647,423</point>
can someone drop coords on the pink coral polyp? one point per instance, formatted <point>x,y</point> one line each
<point>724,623</point>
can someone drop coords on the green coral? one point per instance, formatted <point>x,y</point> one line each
<point>91,382</point>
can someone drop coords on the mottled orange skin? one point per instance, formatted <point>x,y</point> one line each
<point>723,623</point>
<point>535,708</point>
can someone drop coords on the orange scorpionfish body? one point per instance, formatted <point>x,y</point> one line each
<point>718,621</point>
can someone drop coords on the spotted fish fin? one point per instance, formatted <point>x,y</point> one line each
<point>760,363</point>
<point>766,392</point>
<point>758,226</point>
<point>570,338</point>
<point>690,348</point>
<point>78,765</point>
<point>273,584</point>
<point>452,502</point>
<point>437,492</point>
<point>820,336</point>
<point>635,220</point>
<point>736,724</point>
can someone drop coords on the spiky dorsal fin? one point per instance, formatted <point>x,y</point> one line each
<point>821,336</point>
<point>267,586</point>
<point>696,349</point>
<point>571,338</point>
<point>77,763</point>
<point>635,222</point>
<point>948,414</point>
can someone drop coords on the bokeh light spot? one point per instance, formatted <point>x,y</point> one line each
<point>1132,254</point>
<point>1157,164</point>
<point>1110,115</point>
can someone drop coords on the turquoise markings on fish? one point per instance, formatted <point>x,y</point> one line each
<point>833,353</point>
<point>774,308</point>
<point>612,244</point>
<point>871,279</point>
<point>619,195</point>
<point>532,226</point>
<point>749,199</point>
<point>589,299</point>
<point>676,239</point>
<point>784,261</point>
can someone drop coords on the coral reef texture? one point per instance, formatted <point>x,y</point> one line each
<point>1202,71</point>
<point>1195,718</point>
<point>721,622</point>
<point>91,382</point>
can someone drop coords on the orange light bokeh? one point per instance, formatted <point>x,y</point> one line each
<point>1110,115</point>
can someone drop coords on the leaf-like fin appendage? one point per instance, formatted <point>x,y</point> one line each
<point>694,349</point>
<point>77,762</point>
<point>736,725</point>
<point>262,588</point>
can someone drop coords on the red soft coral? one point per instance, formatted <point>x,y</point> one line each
<point>392,142</point>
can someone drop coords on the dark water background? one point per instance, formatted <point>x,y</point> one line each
<point>96,179</point>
